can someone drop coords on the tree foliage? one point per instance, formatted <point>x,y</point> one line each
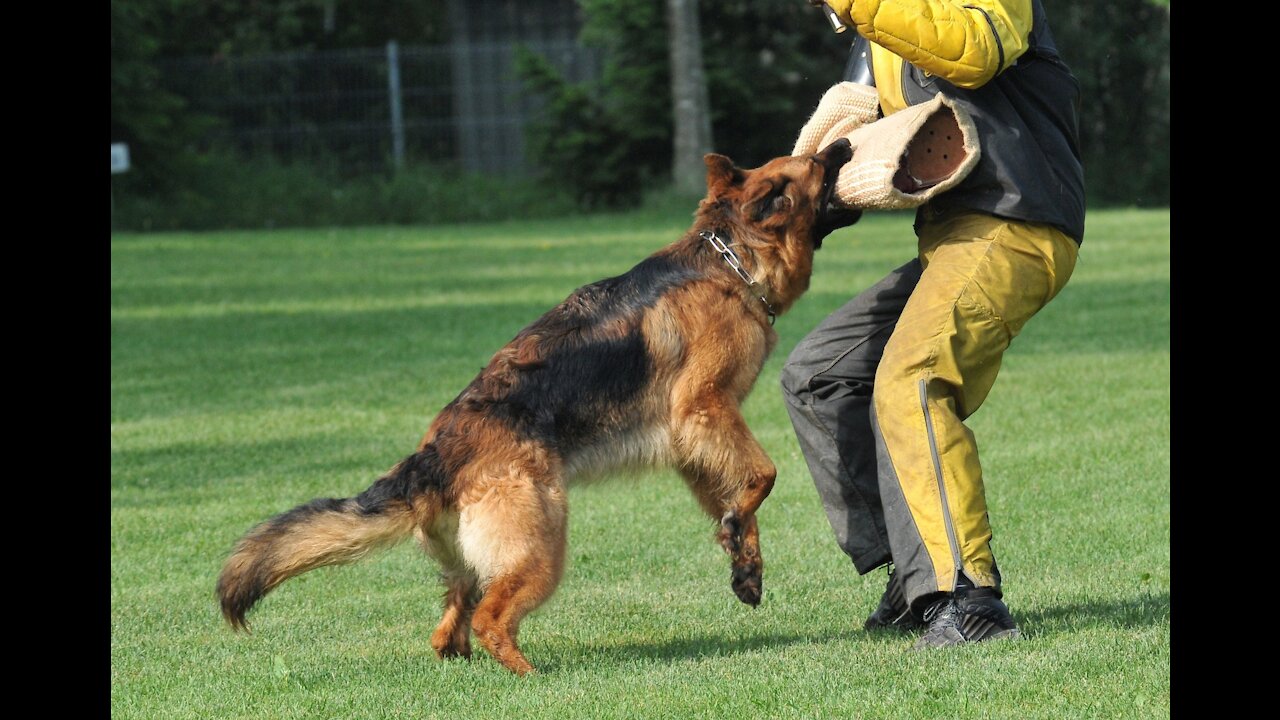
<point>153,121</point>
<point>581,141</point>
<point>239,27</point>
<point>768,62</point>
<point>1119,51</point>
<point>158,125</point>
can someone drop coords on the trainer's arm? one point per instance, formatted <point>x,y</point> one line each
<point>966,42</point>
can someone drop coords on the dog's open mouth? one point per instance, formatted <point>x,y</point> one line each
<point>832,217</point>
<point>829,190</point>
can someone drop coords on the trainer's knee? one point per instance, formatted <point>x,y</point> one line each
<point>795,376</point>
<point>895,388</point>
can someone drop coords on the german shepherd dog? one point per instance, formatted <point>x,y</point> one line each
<point>645,369</point>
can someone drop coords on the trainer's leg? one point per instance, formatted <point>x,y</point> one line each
<point>983,279</point>
<point>827,384</point>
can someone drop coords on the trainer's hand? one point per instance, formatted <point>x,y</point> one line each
<point>842,8</point>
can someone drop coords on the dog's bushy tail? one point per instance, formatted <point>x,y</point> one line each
<point>330,531</point>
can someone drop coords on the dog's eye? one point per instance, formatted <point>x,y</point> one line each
<point>779,203</point>
<point>773,203</point>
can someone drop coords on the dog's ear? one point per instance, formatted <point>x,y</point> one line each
<point>721,174</point>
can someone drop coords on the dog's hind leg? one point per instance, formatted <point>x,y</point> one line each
<point>515,538</point>
<point>506,602</point>
<point>452,638</point>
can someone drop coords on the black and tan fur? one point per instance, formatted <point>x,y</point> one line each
<point>647,368</point>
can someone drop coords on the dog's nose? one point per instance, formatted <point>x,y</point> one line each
<point>838,153</point>
<point>839,143</point>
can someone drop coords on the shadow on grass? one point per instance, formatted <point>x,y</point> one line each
<point>1142,611</point>
<point>1146,610</point>
<point>692,647</point>
<point>221,463</point>
<point>705,646</point>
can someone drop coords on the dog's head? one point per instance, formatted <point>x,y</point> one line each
<point>780,211</point>
<point>788,198</point>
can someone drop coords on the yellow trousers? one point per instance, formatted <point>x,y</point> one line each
<point>982,278</point>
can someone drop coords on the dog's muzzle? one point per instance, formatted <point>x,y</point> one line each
<point>832,217</point>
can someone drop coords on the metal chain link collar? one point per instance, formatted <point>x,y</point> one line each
<point>735,262</point>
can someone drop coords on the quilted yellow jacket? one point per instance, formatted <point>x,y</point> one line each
<point>966,42</point>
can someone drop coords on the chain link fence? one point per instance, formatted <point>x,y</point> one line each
<point>371,109</point>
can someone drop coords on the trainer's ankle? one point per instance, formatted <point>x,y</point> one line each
<point>924,602</point>
<point>967,588</point>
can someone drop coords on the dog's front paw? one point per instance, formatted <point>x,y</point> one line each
<point>747,583</point>
<point>730,534</point>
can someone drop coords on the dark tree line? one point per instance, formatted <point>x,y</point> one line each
<point>158,125</point>
<point>766,63</point>
<point>1119,51</point>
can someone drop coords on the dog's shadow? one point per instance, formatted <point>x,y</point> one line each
<point>673,649</point>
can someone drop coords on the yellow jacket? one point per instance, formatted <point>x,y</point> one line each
<point>966,42</point>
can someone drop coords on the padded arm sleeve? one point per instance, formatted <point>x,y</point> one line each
<point>966,42</point>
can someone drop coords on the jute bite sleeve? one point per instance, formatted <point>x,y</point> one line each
<point>901,161</point>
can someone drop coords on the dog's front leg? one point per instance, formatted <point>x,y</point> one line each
<point>731,476</point>
<point>741,537</point>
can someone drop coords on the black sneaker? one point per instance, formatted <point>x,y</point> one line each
<point>968,615</point>
<point>893,612</point>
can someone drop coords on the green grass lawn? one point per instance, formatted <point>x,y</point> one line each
<point>253,371</point>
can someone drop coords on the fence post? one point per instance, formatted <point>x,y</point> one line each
<point>397,112</point>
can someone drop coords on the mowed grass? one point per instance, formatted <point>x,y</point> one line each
<point>253,371</point>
